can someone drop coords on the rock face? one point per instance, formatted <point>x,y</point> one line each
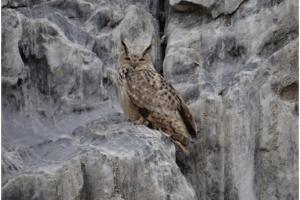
<point>104,160</point>
<point>240,75</point>
<point>63,134</point>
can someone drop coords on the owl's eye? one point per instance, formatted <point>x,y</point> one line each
<point>142,59</point>
<point>127,58</point>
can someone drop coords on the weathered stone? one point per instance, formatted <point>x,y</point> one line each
<point>246,73</point>
<point>107,161</point>
<point>58,77</point>
<point>234,61</point>
<point>215,8</point>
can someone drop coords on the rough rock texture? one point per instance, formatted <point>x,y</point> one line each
<point>63,134</point>
<point>99,161</point>
<point>214,7</point>
<point>240,75</point>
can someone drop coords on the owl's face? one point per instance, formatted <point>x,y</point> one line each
<point>134,59</point>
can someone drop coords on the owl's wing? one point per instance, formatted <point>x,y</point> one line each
<point>148,90</point>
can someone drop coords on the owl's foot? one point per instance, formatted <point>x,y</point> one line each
<point>141,121</point>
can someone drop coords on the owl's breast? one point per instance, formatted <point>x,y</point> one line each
<point>130,110</point>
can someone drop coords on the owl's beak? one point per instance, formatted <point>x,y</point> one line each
<point>134,59</point>
<point>134,64</point>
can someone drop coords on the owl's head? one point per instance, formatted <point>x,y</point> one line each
<point>134,59</point>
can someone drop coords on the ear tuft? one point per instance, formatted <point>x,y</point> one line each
<point>146,49</point>
<point>124,46</point>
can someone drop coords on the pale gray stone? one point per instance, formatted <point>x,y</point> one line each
<point>244,67</point>
<point>215,7</point>
<point>64,135</point>
<point>108,161</point>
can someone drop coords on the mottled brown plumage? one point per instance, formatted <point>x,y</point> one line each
<point>146,97</point>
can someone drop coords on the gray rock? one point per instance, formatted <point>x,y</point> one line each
<point>108,161</point>
<point>215,8</point>
<point>246,76</point>
<point>12,65</point>
<point>234,61</point>
<point>62,137</point>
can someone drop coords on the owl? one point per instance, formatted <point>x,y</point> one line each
<point>147,98</point>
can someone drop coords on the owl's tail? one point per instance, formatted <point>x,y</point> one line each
<point>188,119</point>
<point>171,129</point>
<point>182,143</point>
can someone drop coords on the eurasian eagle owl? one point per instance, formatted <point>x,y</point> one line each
<point>146,97</point>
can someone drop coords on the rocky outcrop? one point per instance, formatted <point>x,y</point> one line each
<point>58,76</point>
<point>214,8</point>
<point>240,74</point>
<point>63,134</point>
<point>105,159</point>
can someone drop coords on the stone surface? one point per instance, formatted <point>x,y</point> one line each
<point>63,133</point>
<point>103,160</point>
<point>60,137</point>
<point>214,8</point>
<point>243,71</point>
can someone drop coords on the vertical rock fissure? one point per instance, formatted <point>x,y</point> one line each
<point>162,39</point>
<point>85,190</point>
